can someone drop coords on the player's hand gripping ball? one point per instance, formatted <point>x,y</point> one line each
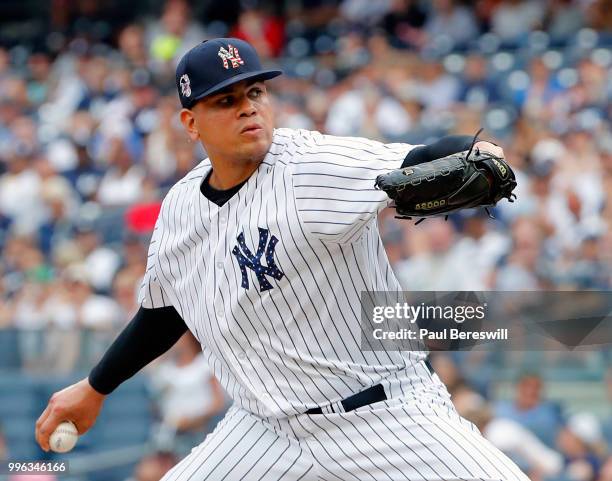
<point>64,438</point>
<point>473,178</point>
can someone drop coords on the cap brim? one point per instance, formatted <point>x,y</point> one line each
<point>256,75</point>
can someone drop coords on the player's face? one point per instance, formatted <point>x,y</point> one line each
<point>234,125</point>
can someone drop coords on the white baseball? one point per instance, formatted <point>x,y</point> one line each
<point>64,438</point>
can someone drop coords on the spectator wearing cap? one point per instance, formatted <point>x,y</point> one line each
<point>529,409</point>
<point>582,445</point>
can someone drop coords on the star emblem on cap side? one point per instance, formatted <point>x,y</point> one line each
<point>185,85</point>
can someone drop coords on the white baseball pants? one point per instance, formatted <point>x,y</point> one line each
<point>391,440</point>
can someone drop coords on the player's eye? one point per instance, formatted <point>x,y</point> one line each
<point>226,101</point>
<point>255,92</point>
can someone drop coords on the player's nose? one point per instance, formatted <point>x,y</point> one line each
<point>247,107</point>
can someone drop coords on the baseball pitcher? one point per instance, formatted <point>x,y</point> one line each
<point>262,251</point>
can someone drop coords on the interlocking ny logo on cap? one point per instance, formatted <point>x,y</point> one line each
<point>185,85</point>
<point>232,55</point>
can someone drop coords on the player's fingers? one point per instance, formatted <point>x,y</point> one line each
<point>47,427</point>
<point>490,148</point>
<point>47,422</point>
<point>41,439</point>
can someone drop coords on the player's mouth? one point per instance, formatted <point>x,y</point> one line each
<point>252,129</point>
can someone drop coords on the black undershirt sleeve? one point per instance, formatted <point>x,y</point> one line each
<point>441,148</point>
<point>148,335</point>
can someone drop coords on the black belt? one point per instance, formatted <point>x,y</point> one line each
<point>370,395</point>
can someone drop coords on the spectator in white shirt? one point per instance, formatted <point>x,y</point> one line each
<point>190,397</point>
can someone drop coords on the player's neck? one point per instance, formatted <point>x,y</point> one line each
<point>226,175</point>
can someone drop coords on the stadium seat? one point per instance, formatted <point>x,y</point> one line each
<point>25,450</point>
<point>9,351</point>
<point>110,433</point>
<point>19,403</point>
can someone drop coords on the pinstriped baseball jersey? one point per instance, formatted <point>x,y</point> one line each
<point>270,281</point>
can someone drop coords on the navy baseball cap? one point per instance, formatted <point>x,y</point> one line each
<point>214,64</point>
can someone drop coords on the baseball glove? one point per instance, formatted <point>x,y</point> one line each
<point>471,178</point>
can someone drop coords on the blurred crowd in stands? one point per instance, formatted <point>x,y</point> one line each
<point>547,442</point>
<point>90,142</point>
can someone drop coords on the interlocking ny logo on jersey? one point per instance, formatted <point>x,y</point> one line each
<point>232,55</point>
<point>253,262</point>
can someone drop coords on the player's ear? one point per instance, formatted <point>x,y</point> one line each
<point>189,122</point>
